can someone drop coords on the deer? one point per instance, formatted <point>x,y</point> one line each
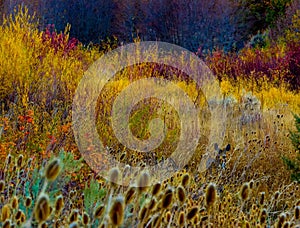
<point>219,162</point>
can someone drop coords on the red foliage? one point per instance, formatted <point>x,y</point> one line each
<point>59,41</point>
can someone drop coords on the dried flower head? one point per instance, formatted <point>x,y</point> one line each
<point>114,175</point>
<point>42,208</point>
<point>156,189</point>
<point>143,182</point>
<point>211,195</point>
<point>245,192</point>
<point>53,170</point>
<point>5,212</point>
<point>116,212</point>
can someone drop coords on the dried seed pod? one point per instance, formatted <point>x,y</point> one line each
<point>20,161</point>
<point>28,202</point>
<point>262,198</point>
<point>74,216</point>
<point>42,208</point>
<point>181,194</point>
<point>156,189</point>
<point>286,224</point>
<point>5,212</point>
<point>143,213</point>
<point>2,185</point>
<point>156,221</point>
<point>15,202</point>
<point>143,182</point>
<point>114,175</point>
<point>167,199</point>
<point>185,180</point>
<point>53,170</point>
<point>116,212</point>
<point>192,213</point>
<point>59,204</point>
<point>8,159</point>
<point>276,195</point>
<point>263,216</point>
<point>297,212</point>
<point>99,211</point>
<point>7,224</point>
<point>18,215</point>
<point>211,195</point>
<point>85,218</point>
<point>281,219</point>
<point>130,195</point>
<point>245,192</point>
<point>251,184</point>
<point>181,219</point>
<point>168,216</point>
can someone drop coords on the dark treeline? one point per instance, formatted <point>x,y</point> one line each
<point>193,24</point>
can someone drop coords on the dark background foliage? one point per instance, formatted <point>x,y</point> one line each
<point>193,24</point>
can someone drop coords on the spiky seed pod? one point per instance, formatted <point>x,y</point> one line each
<point>202,210</point>
<point>251,184</point>
<point>29,162</point>
<point>281,220</point>
<point>74,225</point>
<point>44,225</point>
<point>5,212</point>
<point>276,195</point>
<point>152,204</point>
<point>15,202</point>
<point>18,215</point>
<point>53,169</point>
<point>114,175</point>
<point>51,209</point>
<point>143,213</point>
<point>156,221</point>
<point>181,194</point>
<point>59,204</point>
<point>185,180</point>
<point>23,217</point>
<point>2,185</point>
<point>168,216</point>
<point>263,216</point>
<point>167,199</point>
<point>204,218</point>
<point>156,189</point>
<point>74,216</point>
<point>211,195</point>
<point>7,224</point>
<point>42,208</point>
<point>192,212</point>
<point>20,161</point>
<point>143,182</point>
<point>286,224</point>
<point>245,192</point>
<point>116,212</point>
<point>99,211</point>
<point>247,224</point>
<point>130,195</point>
<point>181,219</point>
<point>262,198</point>
<point>85,218</point>
<point>297,212</point>
<point>28,202</point>
<point>8,159</point>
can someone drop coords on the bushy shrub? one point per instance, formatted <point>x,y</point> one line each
<point>293,164</point>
